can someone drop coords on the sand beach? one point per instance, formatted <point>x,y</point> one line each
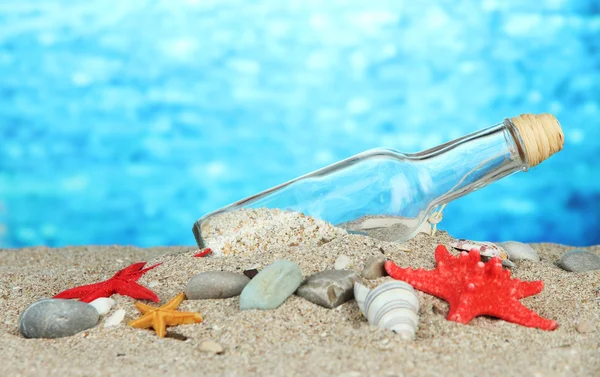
<point>299,338</point>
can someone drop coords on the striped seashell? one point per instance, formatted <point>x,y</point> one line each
<point>393,305</point>
<point>360,294</point>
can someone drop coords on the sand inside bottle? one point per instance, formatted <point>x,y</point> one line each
<point>385,228</point>
<point>250,230</point>
<point>247,231</point>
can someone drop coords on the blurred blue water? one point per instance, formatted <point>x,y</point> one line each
<point>122,122</point>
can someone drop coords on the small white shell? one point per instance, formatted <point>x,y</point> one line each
<point>487,250</point>
<point>393,305</point>
<point>103,304</point>
<point>115,319</point>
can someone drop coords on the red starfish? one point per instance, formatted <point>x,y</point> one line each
<point>473,288</point>
<point>123,283</point>
<point>203,253</point>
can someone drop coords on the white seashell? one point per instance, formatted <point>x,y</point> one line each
<point>360,295</point>
<point>103,304</point>
<point>393,305</point>
<point>341,262</point>
<point>487,250</point>
<point>115,319</point>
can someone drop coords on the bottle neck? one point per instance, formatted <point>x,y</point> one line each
<point>464,165</point>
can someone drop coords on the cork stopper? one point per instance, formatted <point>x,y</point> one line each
<point>541,134</point>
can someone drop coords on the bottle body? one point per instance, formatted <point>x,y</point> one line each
<point>395,193</point>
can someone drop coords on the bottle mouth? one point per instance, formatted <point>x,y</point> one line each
<point>541,136</point>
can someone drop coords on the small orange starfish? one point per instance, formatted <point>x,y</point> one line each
<point>163,316</point>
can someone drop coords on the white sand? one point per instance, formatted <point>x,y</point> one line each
<point>298,338</point>
<point>250,231</point>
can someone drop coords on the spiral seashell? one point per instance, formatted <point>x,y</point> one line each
<point>360,294</point>
<point>393,305</point>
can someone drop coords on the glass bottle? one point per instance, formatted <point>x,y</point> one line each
<point>396,193</point>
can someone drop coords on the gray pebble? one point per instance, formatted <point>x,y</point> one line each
<point>374,267</point>
<point>579,261</point>
<point>215,284</point>
<point>56,318</point>
<point>519,251</point>
<point>251,273</point>
<point>329,288</point>
<point>272,286</point>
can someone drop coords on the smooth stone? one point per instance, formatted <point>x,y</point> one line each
<point>271,286</point>
<point>251,273</point>
<point>374,267</point>
<point>211,346</point>
<point>341,262</point>
<point>115,319</point>
<point>103,304</point>
<point>579,261</point>
<point>519,251</point>
<point>330,288</point>
<point>215,284</point>
<point>56,318</point>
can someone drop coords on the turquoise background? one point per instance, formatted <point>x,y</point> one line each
<point>122,122</point>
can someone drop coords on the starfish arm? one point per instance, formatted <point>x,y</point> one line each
<point>173,318</point>
<point>528,288</point>
<point>133,272</point>
<point>461,312</point>
<point>174,303</point>
<point>143,322</point>
<point>427,281</point>
<point>83,291</point>
<point>129,271</point>
<point>136,291</point>
<point>145,309</point>
<point>442,254</point>
<point>141,272</point>
<point>160,326</point>
<point>516,312</point>
<point>97,294</point>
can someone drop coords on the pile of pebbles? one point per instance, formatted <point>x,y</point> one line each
<point>278,281</point>
<point>268,289</point>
